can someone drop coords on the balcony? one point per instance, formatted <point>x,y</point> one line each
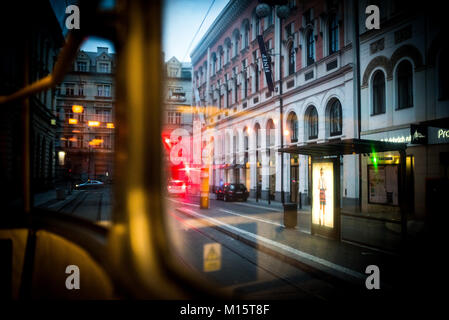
<point>177,97</point>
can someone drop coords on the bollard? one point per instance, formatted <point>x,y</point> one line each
<point>290,215</point>
<point>204,188</point>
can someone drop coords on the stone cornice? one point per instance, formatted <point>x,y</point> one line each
<point>229,14</point>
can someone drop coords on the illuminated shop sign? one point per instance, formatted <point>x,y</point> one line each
<point>398,139</point>
<point>438,135</point>
<point>415,135</point>
<point>428,135</point>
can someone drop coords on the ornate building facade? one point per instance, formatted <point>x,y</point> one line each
<point>178,117</point>
<point>85,111</point>
<point>404,95</point>
<point>312,53</point>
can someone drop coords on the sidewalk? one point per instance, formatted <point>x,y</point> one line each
<point>50,200</point>
<point>339,260</point>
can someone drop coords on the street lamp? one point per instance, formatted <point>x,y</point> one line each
<point>282,11</point>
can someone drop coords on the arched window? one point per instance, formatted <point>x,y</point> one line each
<point>291,60</point>
<point>293,126</point>
<point>310,47</point>
<point>245,41</point>
<point>270,134</point>
<point>333,34</point>
<point>312,122</point>
<point>405,84</point>
<point>335,118</point>
<point>378,93</point>
<point>236,38</point>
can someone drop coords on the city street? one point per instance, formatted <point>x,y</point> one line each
<point>93,205</point>
<point>244,269</point>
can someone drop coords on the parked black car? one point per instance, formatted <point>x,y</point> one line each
<point>232,191</point>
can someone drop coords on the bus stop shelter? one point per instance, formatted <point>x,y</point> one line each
<point>335,149</point>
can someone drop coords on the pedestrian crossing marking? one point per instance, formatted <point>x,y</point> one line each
<point>212,257</point>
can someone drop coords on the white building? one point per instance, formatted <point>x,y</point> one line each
<point>404,81</point>
<point>317,86</point>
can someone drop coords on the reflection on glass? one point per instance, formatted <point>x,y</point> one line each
<point>84,136</point>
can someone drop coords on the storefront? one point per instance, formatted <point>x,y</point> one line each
<point>426,165</point>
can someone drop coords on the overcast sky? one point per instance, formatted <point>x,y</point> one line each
<point>181,20</point>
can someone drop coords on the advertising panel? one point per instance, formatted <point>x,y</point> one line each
<point>383,184</point>
<point>323,194</point>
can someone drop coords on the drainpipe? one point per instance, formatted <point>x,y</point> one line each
<point>356,79</point>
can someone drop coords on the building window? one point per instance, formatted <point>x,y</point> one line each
<point>333,34</point>
<point>405,85</point>
<point>257,26</point>
<point>312,122</point>
<point>173,72</point>
<point>443,75</point>
<point>103,90</point>
<point>378,93</point>
<point>214,63</point>
<point>256,72</point>
<point>308,17</point>
<point>103,115</point>
<point>291,60</point>
<point>81,66</point>
<point>310,48</point>
<point>69,89</point>
<point>174,117</point>
<point>235,86</point>
<point>335,118</point>
<point>235,50</point>
<point>293,126</point>
<point>81,89</point>
<point>104,67</point>
<point>289,30</point>
<point>246,43</point>
<point>269,19</point>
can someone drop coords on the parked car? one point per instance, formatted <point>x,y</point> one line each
<point>232,191</point>
<point>177,187</point>
<point>90,184</point>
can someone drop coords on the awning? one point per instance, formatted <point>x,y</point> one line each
<point>344,147</point>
